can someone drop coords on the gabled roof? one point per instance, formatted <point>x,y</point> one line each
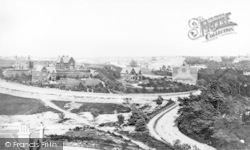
<point>51,69</point>
<point>64,59</point>
<point>39,68</point>
<point>129,69</point>
<point>193,70</point>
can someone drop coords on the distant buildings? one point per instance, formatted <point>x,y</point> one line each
<point>185,74</point>
<point>65,63</point>
<point>22,63</point>
<point>242,58</point>
<point>21,66</point>
<point>63,67</point>
<point>215,58</point>
<point>131,73</point>
<point>40,74</point>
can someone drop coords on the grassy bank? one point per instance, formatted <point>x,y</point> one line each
<point>12,105</point>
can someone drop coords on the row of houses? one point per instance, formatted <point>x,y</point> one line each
<point>185,74</point>
<point>63,67</point>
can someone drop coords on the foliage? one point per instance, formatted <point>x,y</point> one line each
<point>214,116</point>
<point>146,138</point>
<point>178,146</point>
<point>136,115</point>
<point>159,100</point>
<point>120,119</point>
<point>133,63</point>
<point>95,112</point>
<point>230,81</point>
<point>141,125</point>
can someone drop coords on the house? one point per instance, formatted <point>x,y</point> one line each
<point>40,74</point>
<point>185,74</point>
<point>22,63</point>
<point>65,63</point>
<point>131,73</point>
<point>51,73</point>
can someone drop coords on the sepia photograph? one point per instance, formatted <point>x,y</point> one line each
<point>124,75</point>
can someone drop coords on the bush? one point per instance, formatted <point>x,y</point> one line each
<point>120,119</point>
<point>141,125</point>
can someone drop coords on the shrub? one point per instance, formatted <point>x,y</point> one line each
<point>141,125</point>
<point>120,119</point>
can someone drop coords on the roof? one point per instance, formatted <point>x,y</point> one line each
<point>64,59</point>
<point>39,68</point>
<point>51,69</point>
<point>193,70</point>
<point>129,69</point>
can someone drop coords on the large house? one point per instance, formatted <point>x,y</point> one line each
<point>65,63</point>
<point>131,73</point>
<point>22,63</point>
<point>40,74</point>
<point>52,73</point>
<point>185,74</point>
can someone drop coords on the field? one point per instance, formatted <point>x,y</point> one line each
<point>104,108</point>
<point>12,105</point>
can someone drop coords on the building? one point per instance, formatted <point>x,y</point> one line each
<point>65,63</point>
<point>40,74</point>
<point>73,74</point>
<point>51,73</point>
<point>22,63</point>
<point>131,73</point>
<point>185,74</point>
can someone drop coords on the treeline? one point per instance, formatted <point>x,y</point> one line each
<point>214,117</point>
<point>232,81</point>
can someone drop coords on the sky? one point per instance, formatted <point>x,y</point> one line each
<point>93,28</point>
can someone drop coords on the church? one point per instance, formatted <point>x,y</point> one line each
<point>185,74</point>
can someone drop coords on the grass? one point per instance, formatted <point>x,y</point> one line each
<point>12,105</point>
<point>92,138</point>
<point>151,115</point>
<point>145,138</point>
<point>104,108</point>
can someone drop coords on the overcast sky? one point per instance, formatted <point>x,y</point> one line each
<point>117,27</point>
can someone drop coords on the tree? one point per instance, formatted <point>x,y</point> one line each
<point>133,63</point>
<point>141,125</point>
<point>136,115</point>
<point>202,82</point>
<point>159,100</point>
<point>120,119</point>
<point>95,112</point>
<point>164,68</point>
<point>178,146</point>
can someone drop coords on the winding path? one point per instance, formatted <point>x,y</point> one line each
<point>163,128</point>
